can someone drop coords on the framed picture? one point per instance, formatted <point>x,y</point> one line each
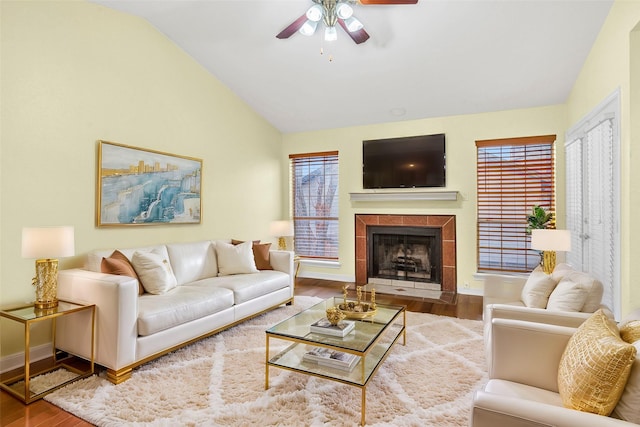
<point>138,186</point>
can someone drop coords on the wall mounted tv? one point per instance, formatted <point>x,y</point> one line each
<point>409,162</point>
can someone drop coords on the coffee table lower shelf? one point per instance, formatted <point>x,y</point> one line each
<point>291,358</point>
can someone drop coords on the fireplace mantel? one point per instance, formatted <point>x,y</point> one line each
<point>403,196</point>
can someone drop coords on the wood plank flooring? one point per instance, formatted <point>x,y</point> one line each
<point>13,413</point>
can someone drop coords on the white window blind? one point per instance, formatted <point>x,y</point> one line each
<point>314,180</point>
<point>514,174</point>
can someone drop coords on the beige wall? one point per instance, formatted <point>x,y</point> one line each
<point>609,66</point>
<point>461,132</point>
<point>74,72</point>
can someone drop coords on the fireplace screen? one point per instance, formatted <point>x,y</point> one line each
<point>405,253</point>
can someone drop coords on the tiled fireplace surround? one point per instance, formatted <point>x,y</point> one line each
<point>447,224</point>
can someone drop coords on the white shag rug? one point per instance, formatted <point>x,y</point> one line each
<point>219,381</point>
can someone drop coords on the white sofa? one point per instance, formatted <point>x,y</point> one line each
<point>133,328</point>
<point>523,386</point>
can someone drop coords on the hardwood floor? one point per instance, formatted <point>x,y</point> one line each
<point>13,413</point>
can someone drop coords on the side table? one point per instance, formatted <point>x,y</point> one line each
<point>30,386</point>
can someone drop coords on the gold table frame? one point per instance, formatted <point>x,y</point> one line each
<point>372,341</point>
<point>29,315</point>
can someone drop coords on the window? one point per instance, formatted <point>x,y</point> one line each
<point>315,204</point>
<point>514,175</point>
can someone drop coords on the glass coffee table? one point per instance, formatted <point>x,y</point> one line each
<point>370,342</point>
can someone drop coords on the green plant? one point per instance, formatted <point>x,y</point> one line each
<point>538,219</point>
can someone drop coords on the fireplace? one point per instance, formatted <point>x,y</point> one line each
<point>406,253</point>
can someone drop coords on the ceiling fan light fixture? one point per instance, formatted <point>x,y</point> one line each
<point>353,24</point>
<point>344,11</point>
<point>314,13</point>
<point>308,28</point>
<point>330,34</point>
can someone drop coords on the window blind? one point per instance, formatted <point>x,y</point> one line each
<point>514,174</point>
<point>314,181</point>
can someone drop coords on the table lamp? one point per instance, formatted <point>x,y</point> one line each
<point>281,229</point>
<point>549,241</point>
<point>45,244</point>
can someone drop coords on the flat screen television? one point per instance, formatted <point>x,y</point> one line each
<point>409,162</point>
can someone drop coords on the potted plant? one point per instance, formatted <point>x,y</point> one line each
<point>539,219</point>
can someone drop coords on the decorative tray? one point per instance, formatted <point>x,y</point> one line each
<point>353,310</point>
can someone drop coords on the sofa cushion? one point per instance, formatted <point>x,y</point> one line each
<point>246,287</point>
<point>235,259</point>
<point>568,296</point>
<point>537,289</point>
<point>193,261</point>
<point>117,263</point>
<point>595,366</point>
<point>94,258</point>
<point>180,305</point>
<point>154,271</point>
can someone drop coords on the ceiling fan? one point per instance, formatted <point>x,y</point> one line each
<point>333,12</point>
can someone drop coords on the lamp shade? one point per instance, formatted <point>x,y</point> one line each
<point>47,242</point>
<point>551,240</point>
<point>281,228</point>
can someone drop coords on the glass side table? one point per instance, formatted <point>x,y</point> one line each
<point>29,386</point>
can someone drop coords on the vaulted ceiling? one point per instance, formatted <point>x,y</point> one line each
<point>435,58</point>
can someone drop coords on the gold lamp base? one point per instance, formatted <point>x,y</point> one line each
<point>282,244</point>
<point>548,261</point>
<point>46,283</point>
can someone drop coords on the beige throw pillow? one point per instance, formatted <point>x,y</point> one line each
<point>568,296</point>
<point>154,271</point>
<point>537,289</point>
<point>595,366</point>
<point>235,259</point>
<point>628,408</point>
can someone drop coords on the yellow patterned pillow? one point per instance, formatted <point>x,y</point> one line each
<point>595,366</point>
<point>630,331</point>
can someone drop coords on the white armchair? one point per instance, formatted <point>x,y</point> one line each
<point>523,379</point>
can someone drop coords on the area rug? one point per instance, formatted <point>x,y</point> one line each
<point>219,381</point>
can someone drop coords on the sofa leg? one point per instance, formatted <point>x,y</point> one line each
<point>117,377</point>
<point>290,302</point>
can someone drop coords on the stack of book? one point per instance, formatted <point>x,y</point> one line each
<point>331,358</point>
<point>323,326</point>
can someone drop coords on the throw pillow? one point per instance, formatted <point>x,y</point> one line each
<point>630,332</point>
<point>235,259</point>
<point>237,242</point>
<point>595,366</point>
<point>567,296</point>
<point>119,264</point>
<point>154,271</point>
<point>537,289</point>
<point>560,271</point>
<point>261,256</point>
<point>627,407</point>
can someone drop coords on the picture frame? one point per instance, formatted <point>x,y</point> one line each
<point>143,187</point>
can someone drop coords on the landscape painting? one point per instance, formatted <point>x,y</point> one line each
<point>145,187</point>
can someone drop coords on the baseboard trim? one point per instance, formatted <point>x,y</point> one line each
<point>471,291</point>
<point>324,276</point>
<point>16,360</point>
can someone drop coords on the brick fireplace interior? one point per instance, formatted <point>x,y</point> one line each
<point>414,255</point>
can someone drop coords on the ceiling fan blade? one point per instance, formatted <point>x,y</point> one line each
<point>291,29</point>
<point>388,1</point>
<point>358,36</point>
